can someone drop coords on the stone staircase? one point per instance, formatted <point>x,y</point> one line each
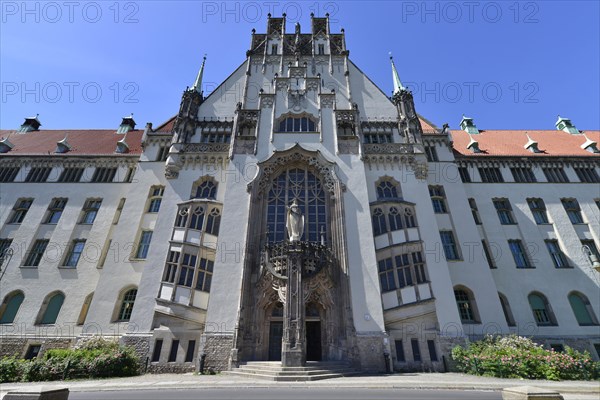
<point>313,371</point>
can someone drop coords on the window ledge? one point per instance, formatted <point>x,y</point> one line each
<point>66,267</point>
<point>29,266</point>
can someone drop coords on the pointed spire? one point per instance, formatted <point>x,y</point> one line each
<point>198,84</point>
<point>396,78</point>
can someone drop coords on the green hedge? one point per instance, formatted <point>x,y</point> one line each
<point>97,358</point>
<point>518,357</point>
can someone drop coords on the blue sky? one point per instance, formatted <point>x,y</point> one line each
<point>507,64</point>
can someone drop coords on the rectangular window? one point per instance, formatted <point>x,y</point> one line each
<point>431,154</point>
<point>474,211</point>
<point>144,245</point>
<point>55,211</point>
<point>415,349</point>
<point>20,211</point>
<point>321,49</point>
<point>205,271</point>
<point>573,211</point>
<point>157,350</point>
<point>490,175</point>
<point>36,253</point>
<point>555,175</point>
<point>538,209</point>
<point>155,198</point>
<point>587,175</point>
<point>488,254</point>
<point>273,49</point>
<point>71,175</point>
<point>399,351</point>
<point>558,257</point>
<point>519,254</point>
<point>432,352</point>
<point>403,271</point>
<point>173,352</point>
<point>90,210</point>
<point>119,210</point>
<point>504,211</point>
<point>523,175</point>
<point>450,249</point>
<point>8,174</point>
<point>438,199</point>
<point>104,175</point>
<point>38,174</point>
<point>464,174</point>
<point>419,267</point>
<point>33,351</point>
<point>171,267</point>
<point>386,275</point>
<point>186,274</point>
<point>163,153</point>
<point>75,253</point>
<point>4,245</point>
<point>189,354</point>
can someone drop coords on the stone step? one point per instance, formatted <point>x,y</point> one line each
<point>284,378</point>
<point>292,373</point>
<point>291,369</point>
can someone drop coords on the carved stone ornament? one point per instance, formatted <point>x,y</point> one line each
<point>296,154</point>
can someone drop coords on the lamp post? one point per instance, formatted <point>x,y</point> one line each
<point>5,255</point>
<point>591,256</point>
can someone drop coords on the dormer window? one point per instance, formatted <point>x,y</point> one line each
<point>297,124</point>
<point>127,124</point>
<point>321,49</point>
<point>5,145</point>
<point>122,147</point>
<point>62,146</point>
<point>30,124</point>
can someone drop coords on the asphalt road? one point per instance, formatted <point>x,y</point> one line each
<point>287,394</point>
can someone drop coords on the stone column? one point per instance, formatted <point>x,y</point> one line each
<point>293,352</point>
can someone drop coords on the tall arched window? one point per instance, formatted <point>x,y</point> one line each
<point>10,307</point>
<point>127,305</point>
<point>84,309</point>
<point>582,309</point>
<point>387,189</point>
<point>466,305</point>
<point>304,187</point>
<point>541,309</point>
<point>51,308</point>
<point>506,310</point>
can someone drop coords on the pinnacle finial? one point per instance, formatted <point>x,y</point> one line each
<point>198,83</point>
<point>395,77</point>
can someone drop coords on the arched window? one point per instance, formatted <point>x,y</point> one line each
<point>466,305</point>
<point>378,219</point>
<point>304,187</point>
<point>387,189</point>
<point>206,189</point>
<point>395,219</point>
<point>297,124</point>
<point>541,309</point>
<point>10,307</point>
<point>213,221</point>
<point>506,310</point>
<point>127,305</point>
<point>84,309</point>
<point>51,308</point>
<point>582,309</point>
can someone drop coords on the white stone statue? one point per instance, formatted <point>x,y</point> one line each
<point>295,222</point>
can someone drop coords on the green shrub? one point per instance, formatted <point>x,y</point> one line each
<point>97,358</point>
<point>518,357</point>
<point>11,369</point>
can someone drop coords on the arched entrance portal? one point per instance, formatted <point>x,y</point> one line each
<point>314,333</point>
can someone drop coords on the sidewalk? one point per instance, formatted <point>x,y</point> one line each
<point>456,381</point>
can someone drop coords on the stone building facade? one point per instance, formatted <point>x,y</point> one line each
<point>409,239</point>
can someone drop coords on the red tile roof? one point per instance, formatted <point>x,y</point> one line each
<point>166,126</point>
<point>82,142</point>
<point>427,126</point>
<point>511,143</point>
